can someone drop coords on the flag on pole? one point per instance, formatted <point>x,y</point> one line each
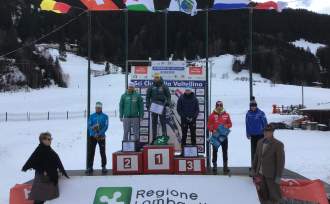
<point>271,5</point>
<point>140,5</point>
<point>230,4</point>
<point>185,6</point>
<point>100,5</point>
<point>54,6</point>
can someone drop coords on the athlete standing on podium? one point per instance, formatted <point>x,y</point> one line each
<point>158,93</point>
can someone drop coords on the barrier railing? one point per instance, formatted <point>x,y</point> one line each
<point>51,115</point>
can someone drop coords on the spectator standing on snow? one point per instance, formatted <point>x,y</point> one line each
<point>46,163</point>
<point>219,117</point>
<point>130,112</point>
<point>256,122</point>
<point>268,167</point>
<point>188,109</point>
<point>158,93</point>
<point>97,126</point>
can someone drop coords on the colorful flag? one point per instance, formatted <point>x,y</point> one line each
<point>57,7</point>
<point>271,5</point>
<point>230,4</point>
<point>140,5</point>
<point>185,6</point>
<point>100,5</point>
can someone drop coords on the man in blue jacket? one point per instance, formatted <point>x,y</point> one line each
<point>97,126</point>
<point>188,109</point>
<point>256,122</point>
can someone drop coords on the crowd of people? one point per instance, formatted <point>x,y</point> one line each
<point>267,153</point>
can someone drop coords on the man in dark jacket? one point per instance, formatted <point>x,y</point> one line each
<point>256,122</point>
<point>158,94</point>
<point>188,109</point>
<point>268,167</point>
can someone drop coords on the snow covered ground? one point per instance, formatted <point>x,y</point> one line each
<point>307,152</point>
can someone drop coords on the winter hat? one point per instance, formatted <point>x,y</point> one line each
<point>131,84</point>
<point>188,88</point>
<point>253,102</point>
<point>98,105</point>
<point>218,103</point>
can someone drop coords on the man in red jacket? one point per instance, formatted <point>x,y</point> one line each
<point>219,117</point>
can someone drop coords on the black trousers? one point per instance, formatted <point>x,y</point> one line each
<point>254,142</point>
<point>92,146</point>
<point>38,202</point>
<point>184,128</point>
<point>154,118</point>
<point>224,146</point>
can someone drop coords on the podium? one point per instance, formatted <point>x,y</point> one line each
<point>124,163</point>
<point>158,159</point>
<point>193,165</point>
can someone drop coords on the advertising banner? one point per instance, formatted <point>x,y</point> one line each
<point>304,190</point>
<point>19,194</point>
<point>177,75</point>
<point>149,189</point>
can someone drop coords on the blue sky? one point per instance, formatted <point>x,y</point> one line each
<point>319,6</point>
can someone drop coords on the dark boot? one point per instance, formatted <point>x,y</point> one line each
<point>89,171</point>
<point>226,170</point>
<point>215,168</point>
<point>104,170</point>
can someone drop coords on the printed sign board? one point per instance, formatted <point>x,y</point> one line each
<point>176,75</point>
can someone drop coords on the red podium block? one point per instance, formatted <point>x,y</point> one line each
<point>158,159</point>
<point>194,165</point>
<point>124,163</point>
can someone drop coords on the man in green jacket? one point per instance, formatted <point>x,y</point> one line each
<point>131,111</point>
<point>158,93</point>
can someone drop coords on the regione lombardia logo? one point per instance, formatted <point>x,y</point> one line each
<point>113,195</point>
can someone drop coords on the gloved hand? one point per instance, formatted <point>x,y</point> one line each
<point>189,119</point>
<point>248,137</point>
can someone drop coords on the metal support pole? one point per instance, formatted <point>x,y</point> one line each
<point>251,51</point>
<point>251,63</point>
<point>165,34</point>
<point>208,163</point>
<point>302,94</point>
<point>89,36</point>
<point>126,48</point>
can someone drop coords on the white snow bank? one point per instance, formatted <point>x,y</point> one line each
<point>308,46</point>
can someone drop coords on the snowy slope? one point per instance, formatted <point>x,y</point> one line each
<point>308,45</point>
<point>69,136</point>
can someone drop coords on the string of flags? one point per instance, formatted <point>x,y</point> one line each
<point>186,6</point>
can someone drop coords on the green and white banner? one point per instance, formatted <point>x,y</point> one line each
<point>157,189</point>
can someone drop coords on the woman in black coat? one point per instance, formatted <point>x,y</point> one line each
<point>46,163</point>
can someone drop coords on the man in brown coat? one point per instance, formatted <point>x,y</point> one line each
<point>268,166</point>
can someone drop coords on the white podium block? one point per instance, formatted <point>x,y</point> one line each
<point>158,159</point>
<point>194,165</point>
<point>124,163</point>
